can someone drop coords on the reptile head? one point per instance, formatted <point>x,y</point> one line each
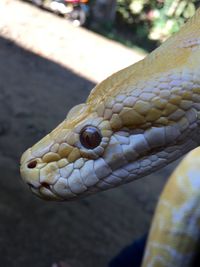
<point>113,140</point>
<point>67,162</point>
<point>134,122</point>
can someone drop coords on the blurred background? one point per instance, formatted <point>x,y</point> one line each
<point>52,53</point>
<point>145,23</point>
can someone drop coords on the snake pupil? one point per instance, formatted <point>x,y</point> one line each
<point>90,137</point>
<point>32,164</point>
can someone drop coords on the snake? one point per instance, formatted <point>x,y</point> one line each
<point>134,122</point>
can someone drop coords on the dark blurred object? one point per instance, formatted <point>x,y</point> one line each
<point>103,11</point>
<point>38,2</point>
<point>74,10</point>
<point>144,23</point>
<point>155,19</point>
<point>130,256</point>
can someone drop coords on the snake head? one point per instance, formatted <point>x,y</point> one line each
<point>67,162</point>
<point>112,140</point>
<point>136,121</point>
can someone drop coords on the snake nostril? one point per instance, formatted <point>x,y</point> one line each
<point>46,185</point>
<point>32,164</point>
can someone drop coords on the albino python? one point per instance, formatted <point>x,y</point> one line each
<point>134,122</point>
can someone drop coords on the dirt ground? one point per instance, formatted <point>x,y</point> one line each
<point>37,88</point>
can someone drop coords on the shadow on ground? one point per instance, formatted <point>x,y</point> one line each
<point>35,95</point>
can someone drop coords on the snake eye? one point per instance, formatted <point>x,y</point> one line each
<point>90,137</point>
<point>32,164</point>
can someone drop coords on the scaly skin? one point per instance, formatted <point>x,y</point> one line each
<point>148,115</point>
<point>174,236</point>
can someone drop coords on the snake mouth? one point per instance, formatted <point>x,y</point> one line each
<point>41,189</point>
<point>44,185</point>
<point>44,191</point>
<point>32,186</point>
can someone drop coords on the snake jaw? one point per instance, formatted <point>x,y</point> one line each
<point>52,166</point>
<point>32,177</point>
<point>127,155</point>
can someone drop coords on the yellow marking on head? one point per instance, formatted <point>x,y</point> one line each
<point>153,115</point>
<point>64,150</point>
<point>131,117</point>
<point>50,156</point>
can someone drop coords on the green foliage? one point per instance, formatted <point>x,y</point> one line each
<point>155,19</point>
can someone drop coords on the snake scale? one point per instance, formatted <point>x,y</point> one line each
<point>134,122</point>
